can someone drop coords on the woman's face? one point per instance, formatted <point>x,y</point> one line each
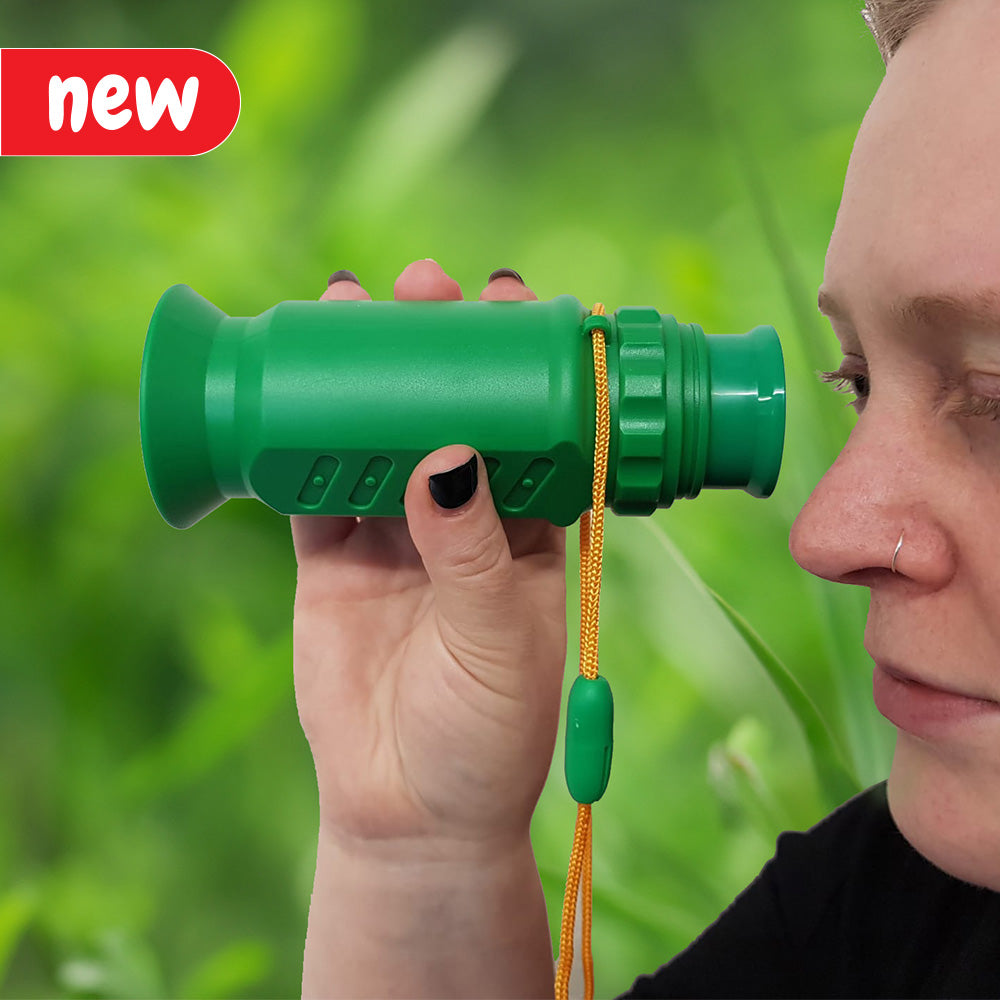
<point>912,289</point>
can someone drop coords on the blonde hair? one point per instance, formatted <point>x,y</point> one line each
<point>890,21</point>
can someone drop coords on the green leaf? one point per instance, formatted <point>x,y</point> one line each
<point>420,120</point>
<point>124,966</point>
<point>17,908</point>
<point>735,771</point>
<point>231,972</point>
<point>829,761</point>
<point>246,682</point>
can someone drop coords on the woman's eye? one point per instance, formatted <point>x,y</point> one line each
<point>849,377</point>
<point>979,406</point>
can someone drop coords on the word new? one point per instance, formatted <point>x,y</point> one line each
<point>110,94</point>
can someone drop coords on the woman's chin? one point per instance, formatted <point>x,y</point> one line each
<point>948,809</point>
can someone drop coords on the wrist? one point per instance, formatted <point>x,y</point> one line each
<point>383,825</point>
<point>443,916</point>
<point>428,851</point>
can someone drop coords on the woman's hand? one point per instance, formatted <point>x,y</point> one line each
<point>429,651</point>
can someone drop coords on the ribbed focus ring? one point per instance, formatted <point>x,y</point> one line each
<point>641,397</point>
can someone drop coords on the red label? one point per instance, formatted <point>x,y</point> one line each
<point>114,102</point>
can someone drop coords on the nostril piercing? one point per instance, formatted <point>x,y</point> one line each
<point>899,545</point>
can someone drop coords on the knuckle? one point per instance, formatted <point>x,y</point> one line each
<point>486,557</point>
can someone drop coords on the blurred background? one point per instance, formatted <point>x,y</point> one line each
<point>157,802</point>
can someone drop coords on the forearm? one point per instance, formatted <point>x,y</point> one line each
<point>451,924</point>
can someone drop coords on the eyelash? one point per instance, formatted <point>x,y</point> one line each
<point>859,384</point>
<point>847,381</point>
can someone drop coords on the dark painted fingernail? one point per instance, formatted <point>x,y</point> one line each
<point>504,272</point>
<point>343,276</point>
<point>455,487</point>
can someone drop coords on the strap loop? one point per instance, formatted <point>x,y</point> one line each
<point>597,322</point>
<point>596,765</point>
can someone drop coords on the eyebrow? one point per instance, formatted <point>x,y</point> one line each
<point>980,307</point>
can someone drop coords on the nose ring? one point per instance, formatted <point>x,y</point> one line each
<point>899,545</point>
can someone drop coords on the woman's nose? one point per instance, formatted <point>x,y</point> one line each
<point>880,489</point>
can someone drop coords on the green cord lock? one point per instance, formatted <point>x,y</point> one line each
<point>589,738</point>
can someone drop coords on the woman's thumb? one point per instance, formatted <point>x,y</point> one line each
<point>455,528</point>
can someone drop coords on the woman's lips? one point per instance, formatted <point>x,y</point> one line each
<point>922,709</point>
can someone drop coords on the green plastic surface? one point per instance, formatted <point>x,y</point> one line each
<point>327,407</point>
<point>589,738</point>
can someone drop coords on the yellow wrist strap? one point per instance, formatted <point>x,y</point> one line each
<point>591,549</point>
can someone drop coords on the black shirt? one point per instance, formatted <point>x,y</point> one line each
<point>847,909</point>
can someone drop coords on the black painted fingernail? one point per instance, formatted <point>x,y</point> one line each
<point>504,272</point>
<point>455,487</point>
<point>343,276</point>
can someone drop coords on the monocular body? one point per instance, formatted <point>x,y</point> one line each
<point>318,407</point>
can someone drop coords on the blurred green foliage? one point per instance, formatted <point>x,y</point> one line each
<point>158,804</point>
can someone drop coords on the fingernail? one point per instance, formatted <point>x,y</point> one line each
<point>455,487</point>
<point>504,272</point>
<point>343,276</point>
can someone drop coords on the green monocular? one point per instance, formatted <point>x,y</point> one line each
<point>326,407</point>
